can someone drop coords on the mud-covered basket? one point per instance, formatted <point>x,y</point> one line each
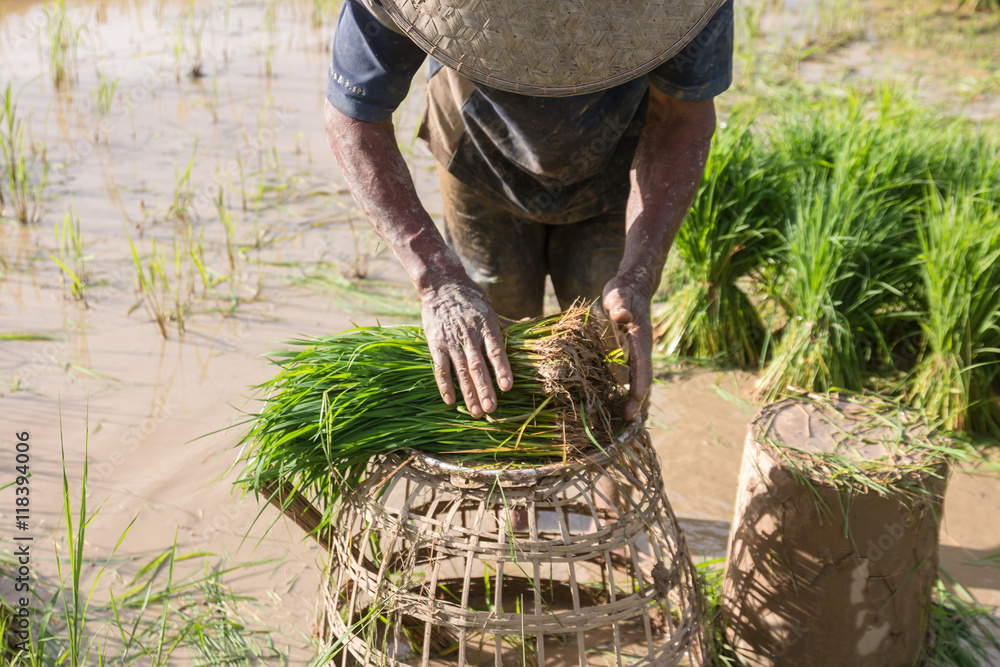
<point>437,563</point>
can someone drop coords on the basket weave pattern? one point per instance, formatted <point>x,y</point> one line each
<point>551,47</point>
<point>584,564</point>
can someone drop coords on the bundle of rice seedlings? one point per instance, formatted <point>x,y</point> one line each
<point>846,262</point>
<point>340,401</point>
<point>726,241</point>
<point>891,144</point>
<point>954,379</point>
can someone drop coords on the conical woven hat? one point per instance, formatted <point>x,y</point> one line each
<point>551,47</point>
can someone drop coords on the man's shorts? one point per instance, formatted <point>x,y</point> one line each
<point>509,255</point>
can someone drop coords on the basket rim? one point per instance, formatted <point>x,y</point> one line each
<point>512,472</point>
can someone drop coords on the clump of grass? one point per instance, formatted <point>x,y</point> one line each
<point>836,299</point>
<point>711,574</point>
<point>954,380</point>
<point>323,11</point>
<point>962,633</point>
<point>981,5</point>
<point>845,259</point>
<point>20,189</point>
<point>267,35</point>
<point>164,287</point>
<point>106,88</point>
<point>727,239</point>
<point>835,22</point>
<point>180,207</point>
<point>161,617</point>
<point>71,258</point>
<point>339,401</point>
<point>62,39</point>
<point>193,30</point>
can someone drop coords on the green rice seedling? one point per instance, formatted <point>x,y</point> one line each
<point>243,181</point>
<point>161,617</point>
<point>62,39</point>
<point>337,402</point>
<point>71,258</point>
<point>728,238</point>
<point>323,11</point>
<point>267,46</point>
<point>106,88</point>
<point>887,142</point>
<point>846,263</point>
<point>146,290</point>
<point>164,285</point>
<point>190,30</point>
<point>833,23</point>
<point>20,188</point>
<point>361,297</point>
<point>28,335</point>
<point>232,247</point>
<point>981,5</point>
<point>180,207</point>
<point>962,632</point>
<point>749,16</point>
<point>711,574</point>
<point>959,366</point>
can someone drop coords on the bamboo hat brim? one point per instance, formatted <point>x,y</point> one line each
<point>551,48</point>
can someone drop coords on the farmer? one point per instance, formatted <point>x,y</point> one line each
<point>570,137</point>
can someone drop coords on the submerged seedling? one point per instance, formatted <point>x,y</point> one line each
<point>71,258</point>
<point>232,247</point>
<point>163,286</point>
<point>106,88</point>
<point>62,39</point>
<point>180,207</point>
<point>21,188</point>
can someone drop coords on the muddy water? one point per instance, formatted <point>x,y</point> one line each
<point>141,405</point>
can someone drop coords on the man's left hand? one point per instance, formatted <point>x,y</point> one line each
<point>629,309</point>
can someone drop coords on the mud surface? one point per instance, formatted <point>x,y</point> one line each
<point>241,90</point>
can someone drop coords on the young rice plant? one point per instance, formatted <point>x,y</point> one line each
<point>340,401</point>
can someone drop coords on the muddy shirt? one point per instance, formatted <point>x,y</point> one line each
<point>556,159</point>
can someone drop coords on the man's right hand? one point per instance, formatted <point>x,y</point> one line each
<point>462,332</point>
<point>461,327</point>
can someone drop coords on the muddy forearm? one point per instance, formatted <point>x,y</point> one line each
<point>381,184</point>
<point>667,169</point>
<point>462,331</point>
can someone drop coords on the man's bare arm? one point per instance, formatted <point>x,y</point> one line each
<point>667,168</point>
<point>462,329</point>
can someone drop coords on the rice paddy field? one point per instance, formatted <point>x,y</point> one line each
<point>171,213</point>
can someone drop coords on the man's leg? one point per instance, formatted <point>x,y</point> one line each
<point>583,256</point>
<point>503,253</point>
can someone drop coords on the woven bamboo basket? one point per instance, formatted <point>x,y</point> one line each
<point>434,563</point>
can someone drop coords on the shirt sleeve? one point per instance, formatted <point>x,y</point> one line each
<point>372,66</point>
<point>704,68</point>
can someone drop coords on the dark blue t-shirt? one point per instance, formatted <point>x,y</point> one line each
<point>546,155</point>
